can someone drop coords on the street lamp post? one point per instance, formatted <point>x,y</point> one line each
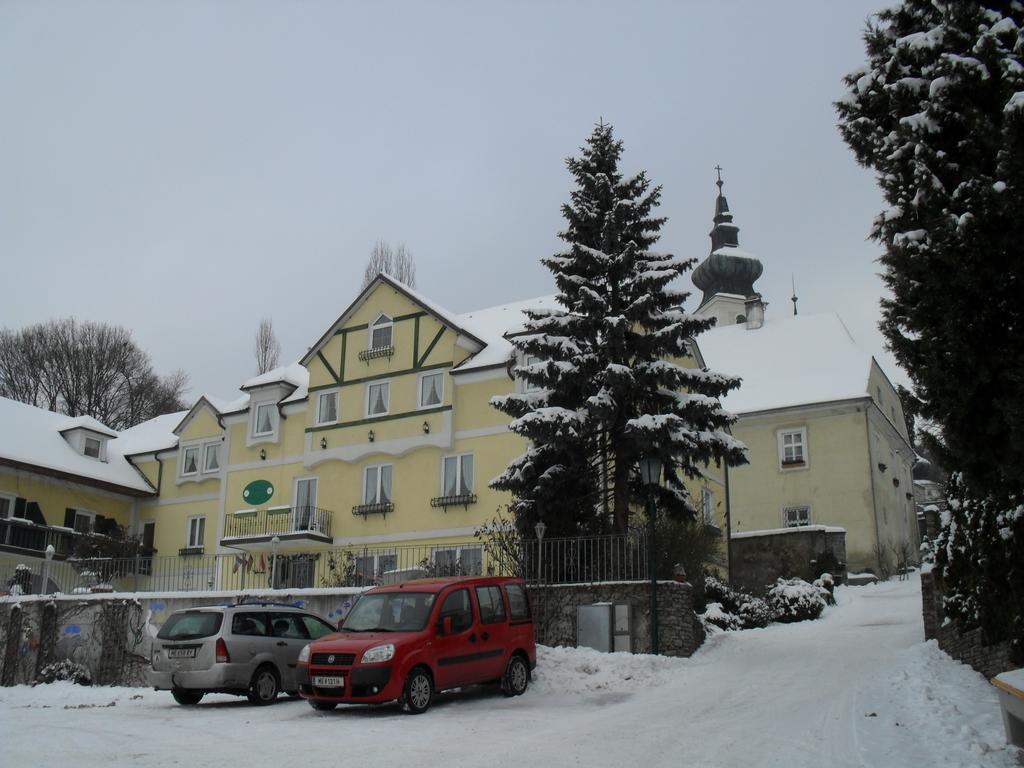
<point>539,529</point>
<point>650,474</point>
<point>274,542</point>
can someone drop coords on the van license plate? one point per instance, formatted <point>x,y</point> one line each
<point>328,682</point>
<point>181,653</point>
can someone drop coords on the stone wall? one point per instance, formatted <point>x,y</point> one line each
<point>111,635</point>
<point>679,631</point>
<point>966,646</point>
<point>761,557</point>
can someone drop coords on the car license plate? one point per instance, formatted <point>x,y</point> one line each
<point>328,682</point>
<point>181,653</point>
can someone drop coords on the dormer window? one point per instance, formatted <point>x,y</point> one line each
<point>93,447</point>
<point>381,332</point>
<point>263,421</point>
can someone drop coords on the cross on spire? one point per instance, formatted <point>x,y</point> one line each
<point>718,168</point>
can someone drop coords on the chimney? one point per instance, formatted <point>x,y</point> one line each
<point>754,307</point>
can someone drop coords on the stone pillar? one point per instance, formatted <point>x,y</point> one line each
<point>46,653</point>
<point>11,647</point>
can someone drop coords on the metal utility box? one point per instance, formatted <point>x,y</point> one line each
<point>604,627</point>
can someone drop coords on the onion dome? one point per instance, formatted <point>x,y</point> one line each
<point>727,269</point>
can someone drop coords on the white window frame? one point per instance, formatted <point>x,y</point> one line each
<point>215,445</point>
<point>256,419</point>
<point>296,515</point>
<point>336,393</point>
<point>89,515</point>
<point>197,447</point>
<point>99,447</point>
<point>419,389</point>
<point>796,507</point>
<point>458,472</point>
<point>380,474</point>
<point>387,398</point>
<point>529,388</point>
<point>782,433</point>
<point>382,321</point>
<point>12,498</point>
<point>192,526</point>
<point>707,505</point>
<point>458,549</point>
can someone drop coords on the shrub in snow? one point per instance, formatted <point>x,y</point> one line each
<point>745,611</point>
<point>827,586</point>
<point>795,600</point>
<point>65,670</point>
<point>715,616</point>
<point>755,612</point>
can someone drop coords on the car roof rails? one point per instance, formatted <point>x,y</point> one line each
<point>263,604</point>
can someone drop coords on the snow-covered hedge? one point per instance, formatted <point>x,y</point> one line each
<point>729,609</point>
<point>65,670</point>
<point>796,600</point>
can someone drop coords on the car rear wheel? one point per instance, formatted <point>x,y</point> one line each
<point>186,698</point>
<point>264,686</point>
<point>323,706</point>
<point>516,678</point>
<point>418,692</point>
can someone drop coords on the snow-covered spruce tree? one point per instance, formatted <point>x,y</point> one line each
<point>605,388</point>
<point>938,114</point>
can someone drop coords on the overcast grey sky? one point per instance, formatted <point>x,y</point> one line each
<point>184,168</point>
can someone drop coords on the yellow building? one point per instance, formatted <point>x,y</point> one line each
<point>370,456</point>
<point>824,426</point>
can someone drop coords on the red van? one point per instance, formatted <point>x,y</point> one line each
<point>407,641</point>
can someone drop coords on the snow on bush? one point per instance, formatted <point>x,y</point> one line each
<point>733,609</point>
<point>795,600</point>
<point>65,670</point>
<point>827,585</point>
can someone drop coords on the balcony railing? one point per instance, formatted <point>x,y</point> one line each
<point>16,533</point>
<point>278,521</point>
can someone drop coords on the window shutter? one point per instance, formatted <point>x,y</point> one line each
<point>100,524</point>
<point>69,517</point>
<point>19,507</point>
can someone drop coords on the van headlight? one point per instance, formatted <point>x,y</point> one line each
<point>379,653</point>
<point>304,654</point>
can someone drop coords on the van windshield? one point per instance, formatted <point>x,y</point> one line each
<point>190,626</point>
<point>390,612</point>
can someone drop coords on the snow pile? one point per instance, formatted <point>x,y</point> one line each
<point>948,706</point>
<point>583,670</point>
<point>68,670</point>
<point>795,600</point>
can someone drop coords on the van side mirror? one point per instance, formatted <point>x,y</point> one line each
<point>444,626</point>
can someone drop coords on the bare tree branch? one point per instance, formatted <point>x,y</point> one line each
<point>266,348</point>
<point>396,262</point>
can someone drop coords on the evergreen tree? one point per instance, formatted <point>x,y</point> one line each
<point>938,114</point>
<point>606,389</point>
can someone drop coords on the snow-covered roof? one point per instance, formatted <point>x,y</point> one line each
<point>32,436</point>
<point>89,423</point>
<point>154,435</point>
<point>789,361</point>
<point>493,324</point>
<point>294,374</point>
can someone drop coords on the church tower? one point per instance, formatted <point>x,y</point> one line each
<point>727,275</point>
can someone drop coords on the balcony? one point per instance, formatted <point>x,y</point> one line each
<point>293,527</point>
<point>25,536</point>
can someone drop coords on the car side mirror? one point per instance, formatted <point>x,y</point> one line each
<point>445,625</point>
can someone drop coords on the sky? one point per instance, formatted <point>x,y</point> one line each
<point>186,168</point>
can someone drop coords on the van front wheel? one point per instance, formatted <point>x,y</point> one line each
<point>418,692</point>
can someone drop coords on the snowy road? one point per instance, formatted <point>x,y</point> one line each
<point>857,688</point>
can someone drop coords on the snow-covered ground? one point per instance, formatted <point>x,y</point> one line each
<point>856,688</point>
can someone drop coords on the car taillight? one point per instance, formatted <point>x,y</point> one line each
<point>223,657</point>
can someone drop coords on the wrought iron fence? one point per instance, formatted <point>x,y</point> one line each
<point>554,560</point>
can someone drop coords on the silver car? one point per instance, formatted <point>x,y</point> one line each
<point>247,649</point>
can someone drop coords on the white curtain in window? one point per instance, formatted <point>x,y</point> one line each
<point>264,422</point>
<point>385,484</point>
<point>191,461</point>
<point>431,394</point>
<point>466,475</point>
<point>378,398</point>
<point>212,458</point>
<point>328,408</point>
<point>370,494</point>
<point>451,472</point>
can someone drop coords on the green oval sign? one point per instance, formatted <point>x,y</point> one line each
<point>258,492</point>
